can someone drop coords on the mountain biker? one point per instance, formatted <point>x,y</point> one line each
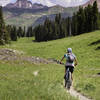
<point>70,59</point>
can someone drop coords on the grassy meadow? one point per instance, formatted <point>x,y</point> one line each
<point>17,81</point>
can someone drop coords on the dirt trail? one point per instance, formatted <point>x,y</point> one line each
<point>14,55</point>
<point>78,95</point>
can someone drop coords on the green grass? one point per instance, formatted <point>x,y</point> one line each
<point>25,19</point>
<point>50,77</point>
<point>17,82</point>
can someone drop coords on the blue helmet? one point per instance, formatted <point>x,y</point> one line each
<point>69,50</point>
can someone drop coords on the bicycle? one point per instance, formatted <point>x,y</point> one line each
<point>67,77</point>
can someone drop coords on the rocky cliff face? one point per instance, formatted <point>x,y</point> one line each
<point>24,4</point>
<point>91,3</point>
<point>38,6</point>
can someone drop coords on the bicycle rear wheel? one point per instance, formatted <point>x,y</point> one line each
<point>69,81</point>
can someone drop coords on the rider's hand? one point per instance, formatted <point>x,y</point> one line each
<point>75,64</point>
<point>60,62</point>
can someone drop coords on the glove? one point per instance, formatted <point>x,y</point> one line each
<point>60,62</point>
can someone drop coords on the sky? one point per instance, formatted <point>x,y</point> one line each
<point>65,3</point>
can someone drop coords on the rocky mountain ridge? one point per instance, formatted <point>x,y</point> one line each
<point>25,4</point>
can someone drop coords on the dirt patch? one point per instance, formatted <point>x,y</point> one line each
<point>77,94</point>
<point>9,54</point>
<point>13,55</point>
<point>35,60</point>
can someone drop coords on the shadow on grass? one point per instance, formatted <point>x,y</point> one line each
<point>98,73</point>
<point>95,43</point>
<point>98,48</point>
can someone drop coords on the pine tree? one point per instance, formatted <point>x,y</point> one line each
<point>95,16</point>
<point>38,33</point>
<point>4,35</point>
<point>99,21</point>
<point>24,32</point>
<point>63,28</point>
<point>80,21</point>
<point>69,26</point>
<point>13,34</point>
<point>58,18</point>
<point>20,32</point>
<point>74,24</point>
<point>89,19</point>
<point>29,32</point>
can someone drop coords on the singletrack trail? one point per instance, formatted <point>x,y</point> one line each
<point>78,95</point>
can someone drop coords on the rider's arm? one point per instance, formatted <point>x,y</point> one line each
<point>75,61</point>
<point>62,59</point>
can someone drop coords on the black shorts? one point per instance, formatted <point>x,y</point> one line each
<point>71,68</point>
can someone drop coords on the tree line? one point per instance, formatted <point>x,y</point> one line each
<point>4,38</point>
<point>83,21</point>
<point>12,33</point>
<point>18,32</point>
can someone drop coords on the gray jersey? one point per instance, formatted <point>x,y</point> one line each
<point>67,62</point>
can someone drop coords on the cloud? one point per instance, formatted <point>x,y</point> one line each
<point>4,2</point>
<point>44,2</point>
<point>65,3</point>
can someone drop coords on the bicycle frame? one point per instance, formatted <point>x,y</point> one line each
<point>68,80</point>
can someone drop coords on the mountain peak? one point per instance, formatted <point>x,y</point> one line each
<point>25,4</point>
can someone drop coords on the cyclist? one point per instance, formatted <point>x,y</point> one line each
<point>70,59</point>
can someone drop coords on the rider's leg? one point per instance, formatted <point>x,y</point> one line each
<point>71,76</point>
<point>71,70</point>
<point>65,71</point>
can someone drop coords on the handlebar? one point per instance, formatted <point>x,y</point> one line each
<point>58,62</point>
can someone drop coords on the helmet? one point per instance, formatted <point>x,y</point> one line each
<point>69,50</point>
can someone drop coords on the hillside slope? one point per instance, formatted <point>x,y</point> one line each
<point>27,17</point>
<point>86,76</point>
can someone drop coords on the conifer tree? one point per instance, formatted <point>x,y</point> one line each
<point>13,34</point>
<point>95,15</point>
<point>89,18</point>
<point>80,20</point>
<point>4,35</point>
<point>20,32</point>
<point>74,24</point>
<point>69,26</point>
<point>24,32</point>
<point>29,32</point>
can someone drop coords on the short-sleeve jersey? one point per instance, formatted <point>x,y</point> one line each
<point>67,62</point>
